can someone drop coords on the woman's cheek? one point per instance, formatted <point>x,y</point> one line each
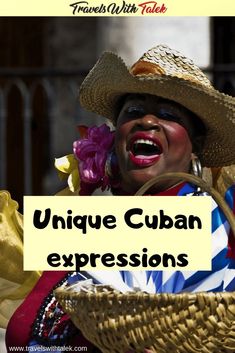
<point>120,149</point>
<point>177,136</point>
<point>121,135</point>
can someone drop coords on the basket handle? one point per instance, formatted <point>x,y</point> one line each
<point>199,182</point>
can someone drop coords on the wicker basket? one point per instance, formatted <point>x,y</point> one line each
<point>164,323</point>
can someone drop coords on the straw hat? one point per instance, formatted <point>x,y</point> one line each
<point>167,73</point>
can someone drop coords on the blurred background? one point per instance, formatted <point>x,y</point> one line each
<point>44,60</point>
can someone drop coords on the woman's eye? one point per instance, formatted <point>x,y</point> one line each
<point>135,111</point>
<point>165,115</point>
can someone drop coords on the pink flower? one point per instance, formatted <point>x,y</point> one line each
<point>92,152</point>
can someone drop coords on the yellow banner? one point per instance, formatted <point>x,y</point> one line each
<point>117,8</point>
<point>117,233</point>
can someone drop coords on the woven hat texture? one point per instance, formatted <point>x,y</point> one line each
<point>166,73</point>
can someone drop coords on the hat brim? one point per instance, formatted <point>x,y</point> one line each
<point>110,78</point>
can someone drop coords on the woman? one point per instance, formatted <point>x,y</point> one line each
<point>167,117</point>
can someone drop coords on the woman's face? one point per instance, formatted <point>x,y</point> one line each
<point>152,138</point>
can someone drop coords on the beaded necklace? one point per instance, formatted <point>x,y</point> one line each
<point>52,325</point>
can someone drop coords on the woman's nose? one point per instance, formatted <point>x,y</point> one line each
<point>150,122</point>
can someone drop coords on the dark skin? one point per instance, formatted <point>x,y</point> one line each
<point>153,136</point>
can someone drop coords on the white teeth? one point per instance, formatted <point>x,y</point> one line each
<point>147,142</point>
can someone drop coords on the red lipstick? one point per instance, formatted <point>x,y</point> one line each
<point>144,149</point>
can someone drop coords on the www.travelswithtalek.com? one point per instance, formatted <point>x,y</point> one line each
<point>120,8</point>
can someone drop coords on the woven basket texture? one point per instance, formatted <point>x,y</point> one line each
<point>180,323</point>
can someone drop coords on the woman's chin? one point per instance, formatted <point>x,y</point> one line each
<point>134,180</point>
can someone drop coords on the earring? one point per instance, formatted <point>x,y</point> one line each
<point>112,171</point>
<point>111,166</point>
<point>196,166</point>
<point>197,171</point>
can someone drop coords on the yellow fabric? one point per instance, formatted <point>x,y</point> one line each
<point>7,308</point>
<point>66,192</point>
<point>67,167</point>
<point>15,283</point>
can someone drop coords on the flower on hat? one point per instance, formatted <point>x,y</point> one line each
<point>85,169</point>
<point>92,152</point>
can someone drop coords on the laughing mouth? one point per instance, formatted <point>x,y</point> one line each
<point>144,150</point>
